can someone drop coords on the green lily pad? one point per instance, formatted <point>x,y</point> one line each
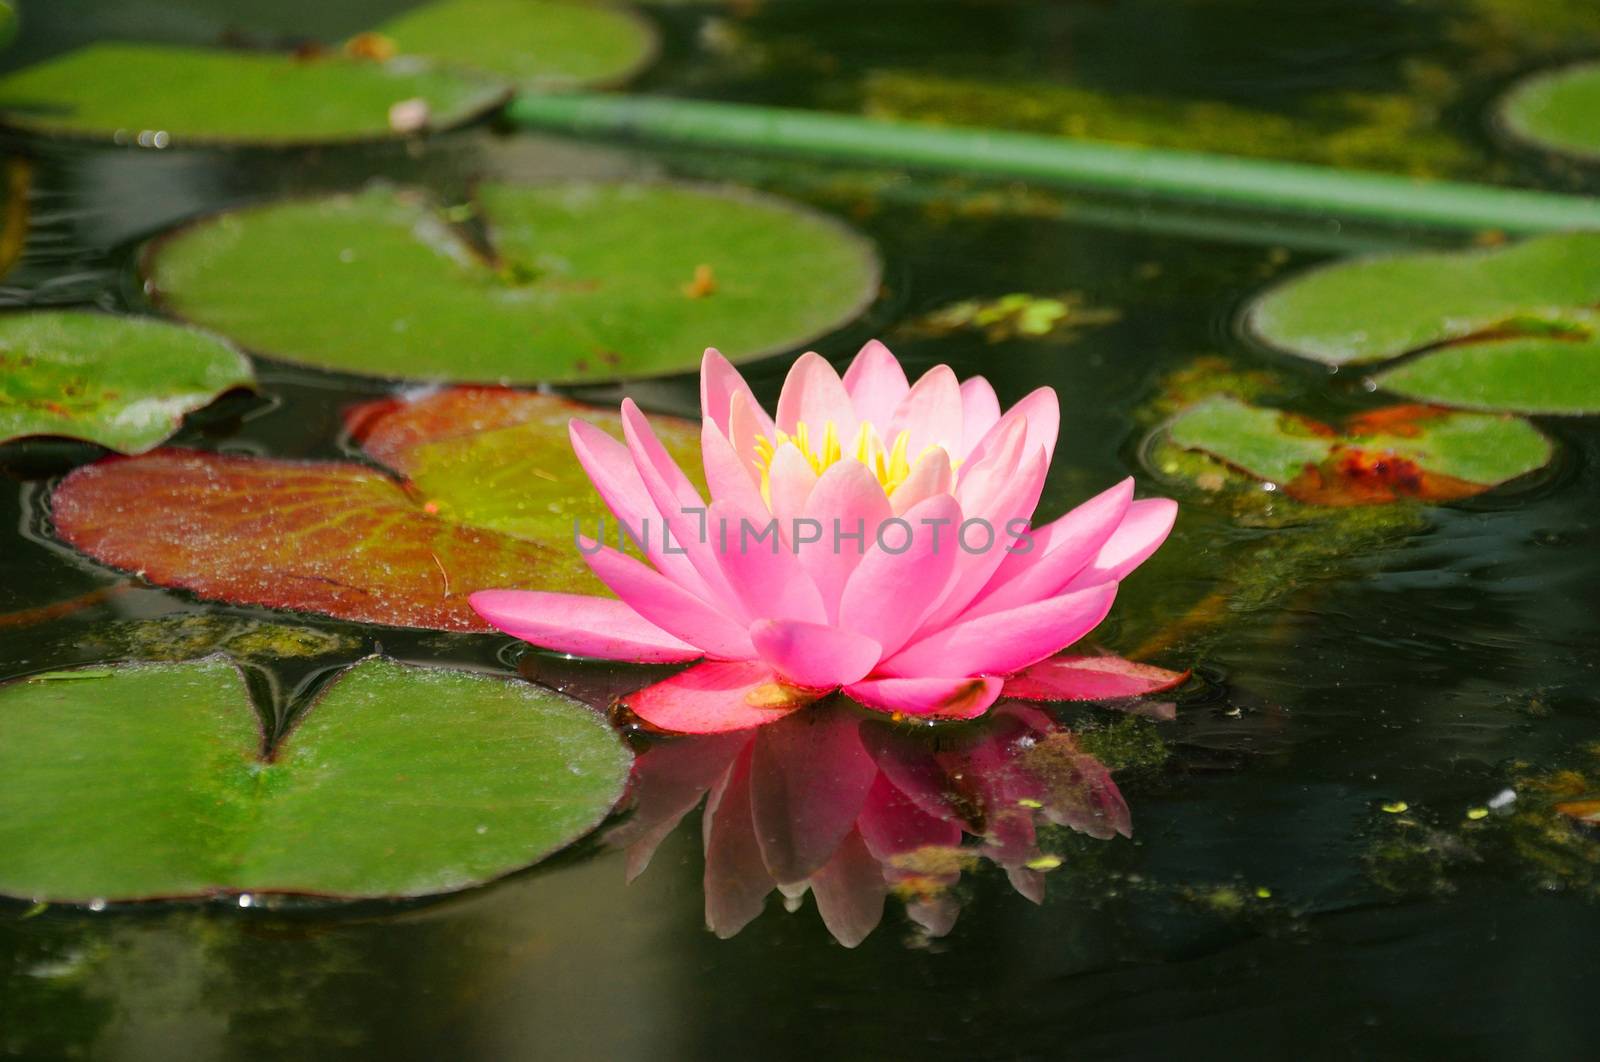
<point>493,500</point>
<point>122,382</point>
<point>537,44</point>
<point>1557,111</point>
<point>1386,455</point>
<point>1512,329</point>
<point>156,780</point>
<point>158,95</point>
<point>580,281</point>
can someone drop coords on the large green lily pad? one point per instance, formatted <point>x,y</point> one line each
<point>156,780</point>
<point>122,382</point>
<point>580,281</point>
<point>1557,111</point>
<point>537,44</point>
<point>158,95</point>
<point>494,495</point>
<point>1514,328</point>
<point>1386,455</point>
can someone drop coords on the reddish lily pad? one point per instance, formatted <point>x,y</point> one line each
<point>1400,452</point>
<point>345,540</point>
<point>123,382</point>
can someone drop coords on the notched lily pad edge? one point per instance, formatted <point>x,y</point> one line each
<point>320,900</point>
<point>872,291</point>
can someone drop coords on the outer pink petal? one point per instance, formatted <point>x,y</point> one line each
<point>876,384</point>
<point>980,411</point>
<point>847,499</point>
<point>809,779</point>
<point>1004,642</point>
<point>760,570</point>
<point>719,383</point>
<point>930,475</point>
<point>716,697</point>
<point>813,655</point>
<point>736,880</point>
<point>930,412</point>
<point>1072,542</point>
<point>610,467</point>
<point>850,891</point>
<point>1041,410</point>
<point>581,625</point>
<point>813,395</point>
<point>669,606</point>
<point>890,594</point>
<point>943,698</point>
<point>1090,678</point>
<point>1143,529</point>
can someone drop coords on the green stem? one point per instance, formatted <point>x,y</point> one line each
<point>1145,173</point>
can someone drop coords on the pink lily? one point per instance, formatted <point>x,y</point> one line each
<point>949,596</point>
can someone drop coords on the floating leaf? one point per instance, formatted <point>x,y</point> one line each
<point>1517,325</point>
<point>122,382</point>
<point>539,45</point>
<point>156,780</point>
<point>1557,111</point>
<point>1015,316</point>
<point>156,95</point>
<point>1382,456</point>
<point>494,503</point>
<point>583,281</point>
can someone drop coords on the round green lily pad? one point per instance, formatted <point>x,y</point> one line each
<point>537,44</point>
<point>1557,111</point>
<point>1511,328</point>
<point>579,281</point>
<point>122,382</point>
<point>157,95</point>
<point>156,780</point>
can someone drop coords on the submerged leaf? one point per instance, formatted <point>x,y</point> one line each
<point>1382,456</point>
<point>581,281</point>
<point>159,95</point>
<point>397,781</point>
<point>1515,328</point>
<point>122,382</point>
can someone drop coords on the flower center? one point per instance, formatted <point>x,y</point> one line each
<point>822,450</point>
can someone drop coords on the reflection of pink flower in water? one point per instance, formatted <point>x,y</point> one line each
<point>903,567</point>
<point>851,809</point>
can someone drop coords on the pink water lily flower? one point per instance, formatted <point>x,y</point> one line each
<point>875,536</point>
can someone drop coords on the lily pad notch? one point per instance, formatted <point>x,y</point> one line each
<point>149,781</point>
<point>1505,329</point>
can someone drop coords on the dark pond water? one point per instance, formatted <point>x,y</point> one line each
<point>1266,905</point>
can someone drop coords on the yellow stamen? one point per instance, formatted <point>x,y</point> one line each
<point>890,466</point>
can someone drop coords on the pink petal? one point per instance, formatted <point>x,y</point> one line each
<point>677,501</point>
<point>748,424</point>
<point>980,411</point>
<point>876,384</point>
<point>1055,557</point>
<point>736,880</point>
<point>850,891</point>
<point>892,824</point>
<point>667,782</point>
<point>1041,411</point>
<point>1090,678</point>
<point>1003,642</point>
<point>813,655</point>
<point>813,395</point>
<point>941,698</point>
<point>930,412</point>
<point>930,475</point>
<point>719,383</point>
<point>792,480</point>
<point>669,606</point>
<point>726,475</point>
<point>717,696</point>
<point>809,779</point>
<point>1143,529</point>
<point>581,625</point>
<point>846,499</point>
<point>761,571</point>
<point>610,467</point>
<point>890,594</point>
